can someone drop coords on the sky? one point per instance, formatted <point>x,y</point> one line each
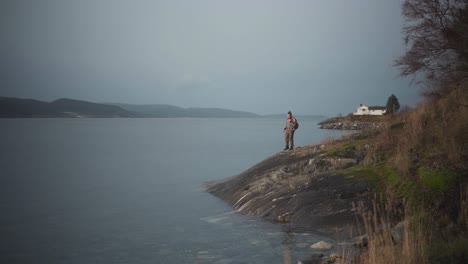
<point>266,57</point>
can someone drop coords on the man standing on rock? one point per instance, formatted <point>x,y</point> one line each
<point>289,131</point>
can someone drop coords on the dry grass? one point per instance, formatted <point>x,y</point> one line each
<point>463,212</point>
<point>382,248</point>
<point>330,139</point>
<point>433,135</point>
<point>415,245</point>
<point>435,130</point>
<point>430,140</point>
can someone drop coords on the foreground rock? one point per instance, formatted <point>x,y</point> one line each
<point>303,188</point>
<point>322,245</point>
<point>398,231</point>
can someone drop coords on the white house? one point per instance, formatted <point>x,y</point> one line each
<point>370,110</point>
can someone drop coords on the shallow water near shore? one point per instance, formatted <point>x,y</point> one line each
<point>131,191</point>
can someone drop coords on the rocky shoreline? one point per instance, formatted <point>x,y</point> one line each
<point>351,126</point>
<point>353,123</point>
<point>312,188</point>
<point>304,188</point>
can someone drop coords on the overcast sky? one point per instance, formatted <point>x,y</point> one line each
<point>310,56</point>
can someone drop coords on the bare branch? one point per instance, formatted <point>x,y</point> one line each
<point>436,34</point>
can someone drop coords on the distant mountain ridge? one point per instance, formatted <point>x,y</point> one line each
<point>163,110</point>
<point>299,117</point>
<point>27,108</point>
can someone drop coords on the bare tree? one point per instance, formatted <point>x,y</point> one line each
<point>436,33</point>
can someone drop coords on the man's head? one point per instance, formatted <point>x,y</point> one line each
<point>289,114</point>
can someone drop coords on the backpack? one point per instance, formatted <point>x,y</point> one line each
<point>296,125</point>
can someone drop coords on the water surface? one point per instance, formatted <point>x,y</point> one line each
<point>131,191</point>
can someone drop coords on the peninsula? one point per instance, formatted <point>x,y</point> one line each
<point>404,182</point>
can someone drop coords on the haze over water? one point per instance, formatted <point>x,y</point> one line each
<point>131,191</point>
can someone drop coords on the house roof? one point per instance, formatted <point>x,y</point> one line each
<point>377,108</point>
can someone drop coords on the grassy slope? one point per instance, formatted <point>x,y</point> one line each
<point>418,163</point>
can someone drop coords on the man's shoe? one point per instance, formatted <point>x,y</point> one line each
<point>291,148</point>
<point>286,148</point>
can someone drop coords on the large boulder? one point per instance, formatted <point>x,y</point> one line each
<point>398,231</point>
<point>322,245</point>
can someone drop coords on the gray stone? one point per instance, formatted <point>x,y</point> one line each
<point>361,186</point>
<point>361,241</point>
<point>398,231</point>
<point>314,259</point>
<point>322,245</point>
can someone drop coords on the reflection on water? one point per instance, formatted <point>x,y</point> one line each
<point>287,242</point>
<point>261,240</point>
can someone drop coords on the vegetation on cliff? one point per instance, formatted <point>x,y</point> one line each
<point>393,105</point>
<point>419,159</point>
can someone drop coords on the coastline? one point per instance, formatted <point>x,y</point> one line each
<point>380,179</point>
<point>353,122</point>
<point>308,188</point>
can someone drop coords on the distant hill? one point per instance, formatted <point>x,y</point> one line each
<point>155,110</point>
<point>307,117</point>
<point>162,110</point>
<point>218,112</point>
<point>16,108</point>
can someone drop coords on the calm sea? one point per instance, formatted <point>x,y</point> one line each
<point>131,191</point>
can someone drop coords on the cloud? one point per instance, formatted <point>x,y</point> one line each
<point>245,55</point>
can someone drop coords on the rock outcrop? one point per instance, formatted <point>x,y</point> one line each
<point>351,125</point>
<point>303,187</point>
<point>352,122</point>
<point>321,245</point>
